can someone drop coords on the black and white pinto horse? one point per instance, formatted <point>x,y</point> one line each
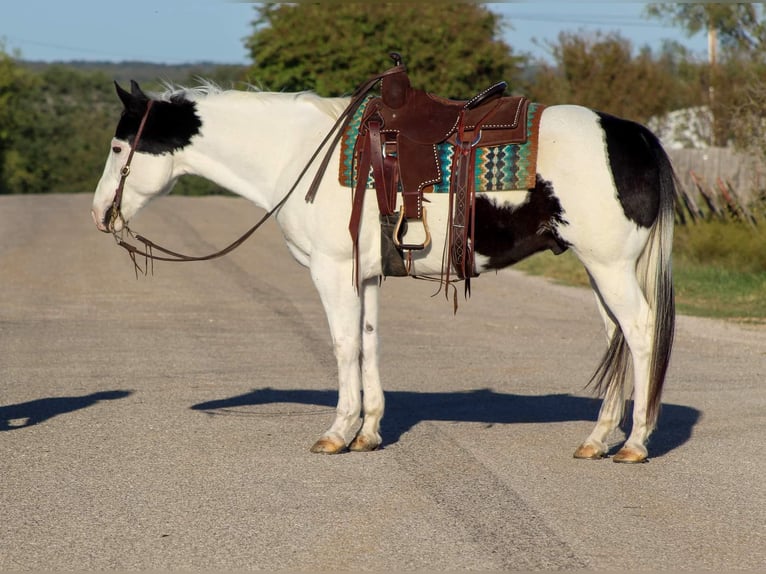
<point>605,189</point>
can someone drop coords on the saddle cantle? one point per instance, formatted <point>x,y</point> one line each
<point>401,142</point>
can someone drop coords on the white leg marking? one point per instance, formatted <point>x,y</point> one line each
<point>344,311</point>
<point>621,294</point>
<point>368,437</point>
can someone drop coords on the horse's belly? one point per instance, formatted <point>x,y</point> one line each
<point>431,260</point>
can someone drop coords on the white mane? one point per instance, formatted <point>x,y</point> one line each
<point>207,88</point>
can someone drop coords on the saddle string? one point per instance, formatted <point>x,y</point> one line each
<point>461,225</point>
<point>335,133</point>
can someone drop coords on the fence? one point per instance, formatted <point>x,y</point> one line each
<point>719,183</point>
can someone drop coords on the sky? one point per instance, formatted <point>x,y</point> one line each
<point>191,31</point>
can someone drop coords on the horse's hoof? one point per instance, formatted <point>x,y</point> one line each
<point>326,445</point>
<point>589,452</point>
<point>630,455</point>
<point>364,444</point>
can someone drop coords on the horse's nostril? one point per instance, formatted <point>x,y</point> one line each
<point>107,218</point>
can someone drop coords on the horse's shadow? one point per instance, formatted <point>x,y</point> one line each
<point>406,409</point>
<point>22,415</point>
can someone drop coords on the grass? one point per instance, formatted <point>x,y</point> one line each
<point>715,292</point>
<point>565,268</point>
<point>719,270</point>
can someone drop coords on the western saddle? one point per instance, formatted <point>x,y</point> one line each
<point>397,141</point>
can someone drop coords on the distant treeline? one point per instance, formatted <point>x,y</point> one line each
<point>145,72</point>
<point>56,120</point>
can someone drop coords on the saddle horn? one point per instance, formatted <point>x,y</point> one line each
<point>396,87</point>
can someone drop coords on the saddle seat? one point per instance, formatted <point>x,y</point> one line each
<point>426,118</point>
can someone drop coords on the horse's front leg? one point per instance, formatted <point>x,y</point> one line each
<point>368,437</point>
<point>343,308</point>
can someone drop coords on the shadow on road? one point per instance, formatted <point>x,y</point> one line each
<point>22,415</point>
<point>405,409</point>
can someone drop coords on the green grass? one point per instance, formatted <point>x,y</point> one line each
<point>715,292</point>
<point>722,244</point>
<point>719,270</point>
<point>565,268</point>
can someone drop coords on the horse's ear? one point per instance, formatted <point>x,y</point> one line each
<point>124,95</point>
<point>136,92</point>
<point>134,100</point>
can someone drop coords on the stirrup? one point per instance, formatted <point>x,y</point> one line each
<point>411,246</point>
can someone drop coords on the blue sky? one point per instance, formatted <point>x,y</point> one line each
<point>181,31</point>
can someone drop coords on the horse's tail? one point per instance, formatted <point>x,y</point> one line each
<point>655,276</point>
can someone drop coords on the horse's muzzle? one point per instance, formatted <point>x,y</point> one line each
<point>102,223</point>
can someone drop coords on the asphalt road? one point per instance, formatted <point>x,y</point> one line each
<point>165,423</point>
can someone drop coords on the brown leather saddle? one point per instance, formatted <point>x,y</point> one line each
<point>398,139</point>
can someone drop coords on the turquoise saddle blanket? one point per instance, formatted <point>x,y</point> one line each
<point>497,168</point>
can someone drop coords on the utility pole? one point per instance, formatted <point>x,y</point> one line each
<point>712,47</point>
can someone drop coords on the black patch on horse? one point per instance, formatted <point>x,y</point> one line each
<point>170,126</point>
<point>508,234</point>
<point>632,151</point>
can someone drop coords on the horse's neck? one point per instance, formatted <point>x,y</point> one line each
<point>255,144</point>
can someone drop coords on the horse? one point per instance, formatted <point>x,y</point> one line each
<point>605,189</point>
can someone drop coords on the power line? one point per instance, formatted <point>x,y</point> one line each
<point>579,19</point>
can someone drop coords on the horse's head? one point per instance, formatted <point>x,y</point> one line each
<point>141,163</point>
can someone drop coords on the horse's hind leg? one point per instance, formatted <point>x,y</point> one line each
<point>368,437</point>
<point>623,300</point>
<point>613,406</point>
<point>344,312</point>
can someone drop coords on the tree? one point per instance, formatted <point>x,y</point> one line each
<point>65,120</point>
<point>15,85</point>
<point>449,48</point>
<point>735,24</point>
<point>733,77</point>
<point>600,72</point>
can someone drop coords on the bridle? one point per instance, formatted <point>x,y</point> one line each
<point>336,132</point>
<point>125,171</point>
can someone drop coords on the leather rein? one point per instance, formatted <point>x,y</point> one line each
<point>147,252</point>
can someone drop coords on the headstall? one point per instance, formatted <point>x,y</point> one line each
<point>125,171</point>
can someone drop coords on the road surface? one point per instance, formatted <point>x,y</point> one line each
<point>164,423</point>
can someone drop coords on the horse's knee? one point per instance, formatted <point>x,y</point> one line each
<point>347,350</point>
<point>346,346</point>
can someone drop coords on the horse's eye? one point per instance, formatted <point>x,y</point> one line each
<point>116,149</point>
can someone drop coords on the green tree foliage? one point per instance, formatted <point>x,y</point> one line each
<point>737,98</point>
<point>449,48</point>
<point>15,84</point>
<point>601,72</point>
<point>56,122</point>
<point>54,128</point>
<point>66,119</point>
